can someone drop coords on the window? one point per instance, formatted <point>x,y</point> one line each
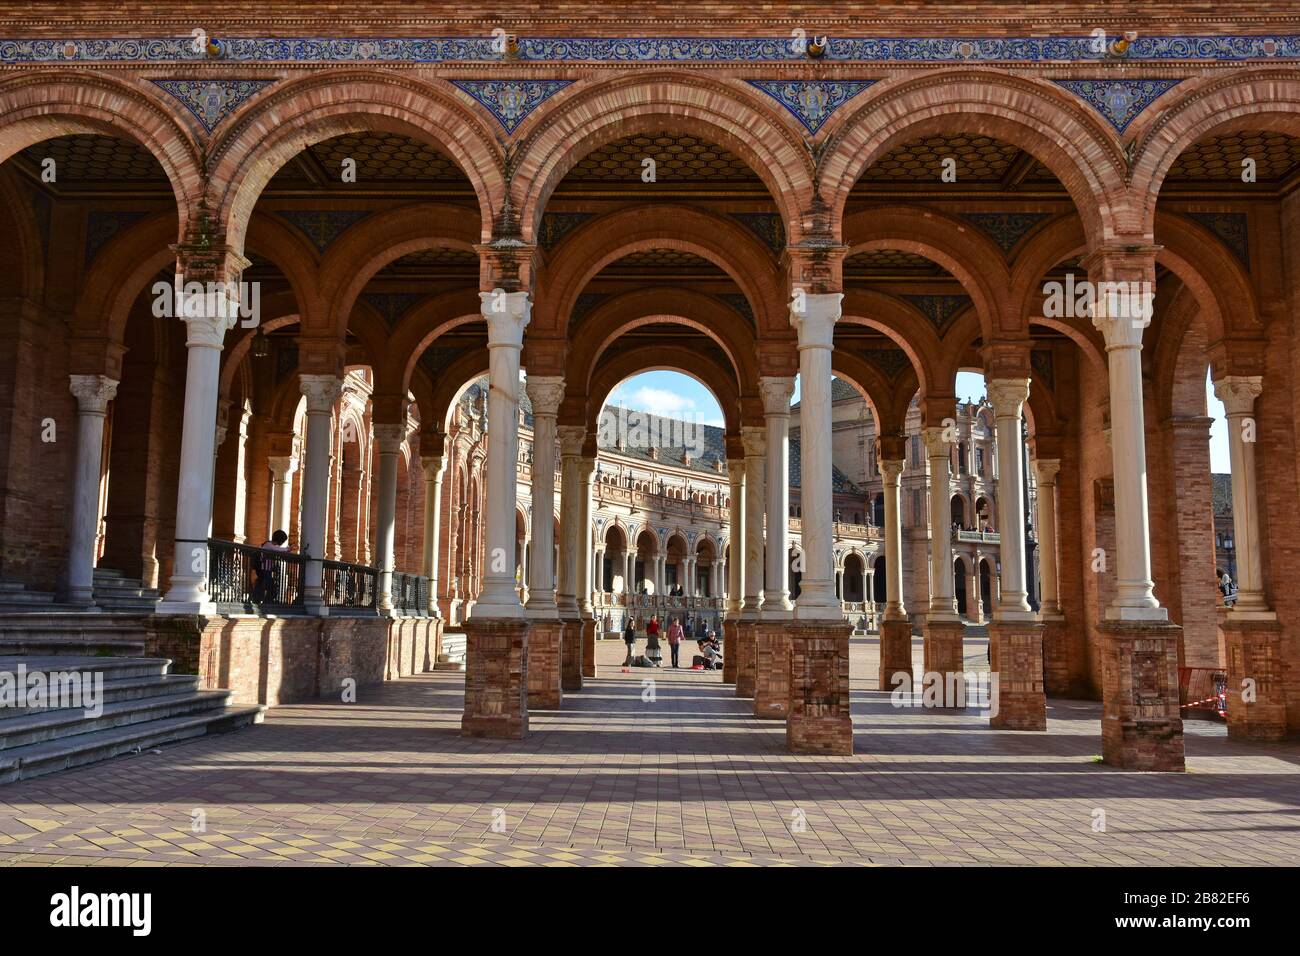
<point>916,449</point>
<point>979,462</point>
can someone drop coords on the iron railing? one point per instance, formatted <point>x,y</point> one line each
<point>244,577</point>
<point>349,586</point>
<point>410,594</point>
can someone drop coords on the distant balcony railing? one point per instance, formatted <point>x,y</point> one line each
<point>410,594</point>
<point>978,537</point>
<point>246,578</point>
<point>350,587</point>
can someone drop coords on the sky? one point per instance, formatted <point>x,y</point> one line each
<point>675,395</point>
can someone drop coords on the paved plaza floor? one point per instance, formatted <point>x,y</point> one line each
<point>683,775</point>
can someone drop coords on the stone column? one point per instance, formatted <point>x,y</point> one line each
<point>321,392</point>
<point>944,630</point>
<point>1015,636</point>
<point>974,599</point>
<point>282,469</point>
<point>1056,665</point>
<point>629,570</point>
<point>895,628</point>
<point>771,637</point>
<point>819,637</point>
<point>1238,394</point>
<point>496,661</point>
<point>586,472</point>
<point>735,570</point>
<point>388,446</point>
<point>546,632</point>
<point>207,318</point>
<point>566,599</point>
<point>93,393</point>
<point>755,478</point>
<point>434,467</point>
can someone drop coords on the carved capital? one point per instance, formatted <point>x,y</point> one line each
<point>389,437</point>
<point>572,438</point>
<point>321,391</point>
<point>891,470</point>
<point>433,465</point>
<point>507,315</point>
<point>282,466</point>
<point>1046,470</point>
<point>1008,396</point>
<point>936,442</point>
<point>93,393</point>
<point>755,440</point>
<point>776,392</point>
<point>1238,393</point>
<point>546,392</point>
<point>813,316</point>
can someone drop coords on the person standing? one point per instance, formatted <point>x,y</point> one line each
<point>675,635</point>
<point>652,653</point>
<point>267,584</point>
<point>629,638</point>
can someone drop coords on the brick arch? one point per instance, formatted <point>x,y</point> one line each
<point>597,331</point>
<point>22,254</point>
<point>371,331</point>
<point>649,358</point>
<point>39,107</point>
<point>286,120</point>
<point>1212,272</point>
<point>958,246</point>
<point>1047,121</point>
<point>572,124</point>
<point>119,273</point>
<point>1172,361</point>
<point>361,251</point>
<point>460,373</point>
<point>1060,239</point>
<point>722,241</point>
<point>419,329</point>
<point>278,312</point>
<point>1267,98</point>
<point>901,323</point>
<point>872,385</point>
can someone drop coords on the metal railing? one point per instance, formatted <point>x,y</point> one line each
<point>978,537</point>
<point>410,594</point>
<point>244,577</point>
<point>349,586</point>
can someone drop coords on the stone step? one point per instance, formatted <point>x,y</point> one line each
<point>452,655</point>
<point>96,633</point>
<point>113,668</point>
<point>43,726</point>
<point>130,688</point>
<point>52,756</point>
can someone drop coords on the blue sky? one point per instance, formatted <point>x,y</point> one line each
<point>675,395</point>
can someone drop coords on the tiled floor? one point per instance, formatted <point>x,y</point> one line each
<point>676,773</point>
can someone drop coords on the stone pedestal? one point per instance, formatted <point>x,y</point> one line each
<point>1056,665</point>
<point>745,642</point>
<point>772,670</point>
<point>496,678</point>
<point>571,655</point>
<point>588,647</point>
<point>1141,728</point>
<point>943,647</point>
<point>545,640</point>
<point>1016,657</point>
<point>730,648</point>
<point>1256,711</point>
<point>895,651</point>
<point>819,721</point>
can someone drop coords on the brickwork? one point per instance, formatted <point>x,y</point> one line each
<point>588,648</point>
<point>943,647</point>
<point>771,670</point>
<point>895,652</point>
<point>1016,657</point>
<point>1257,705</point>
<point>730,648</point>
<point>1141,727</point>
<point>819,721</point>
<point>545,647</point>
<point>496,678</point>
<point>745,662</point>
<point>571,675</point>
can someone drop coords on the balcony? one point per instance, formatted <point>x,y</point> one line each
<point>977,537</point>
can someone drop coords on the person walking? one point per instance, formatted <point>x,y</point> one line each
<point>267,584</point>
<point>652,653</point>
<point>675,635</point>
<point>629,638</point>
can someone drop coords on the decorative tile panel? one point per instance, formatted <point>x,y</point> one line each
<point>211,101</point>
<point>1118,101</point>
<point>811,102</point>
<point>322,227</point>
<point>1005,228</point>
<point>510,101</point>
<point>1231,228</point>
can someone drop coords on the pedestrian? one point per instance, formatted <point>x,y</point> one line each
<point>267,584</point>
<point>629,638</point>
<point>675,635</point>
<point>653,655</point>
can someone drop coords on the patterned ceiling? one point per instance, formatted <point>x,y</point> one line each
<point>431,261</point>
<point>678,159</point>
<point>663,260</point>
<point>883,263</point>
<point>978,158</point>
<point>88,160</point>
<point>1218,158</point>
<point>380,157</point>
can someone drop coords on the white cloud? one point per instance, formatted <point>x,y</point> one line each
<point>657,401</point>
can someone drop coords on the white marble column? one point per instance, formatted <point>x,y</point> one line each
<point>938,451</point>
<point>545,393</point>
<point>736,538</point>
<point>816,328</point>
<point>1008,396</point>
<point>388,447</point>
<point>282,469</point>
<point>597,572</point>
<point>755,442</point>
<point>571,440</point>
<point>506,314</point>
<point>207,318</point>
<point>434,466</point>
<point>1238,394</point>
<point>1045,472</point>
<point>629,574</point>
<point>776,392</point>
<point>93,393</point>
<point>586,471</point>
<point>891,473</point>
<point>1134,589</point>
<point>322,393</point>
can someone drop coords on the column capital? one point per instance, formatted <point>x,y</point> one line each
<point>586,469</point>
<point>1008,396</point>
<point>93,393</point>
<point>433,466</point>
<point>506,314</point>
<point>546,392</point>
<point>891,470</point>
<point>776,391</point>
<point>322,391</point>
<point>389,437</point>
<point>755,440</point>
<point>1238,392</point>
<point>813,315</point>
<point>1046,470</point>
<point>572,438</point>
<point>935,438</point>
<point>209,310</point>
<point>282,466</point>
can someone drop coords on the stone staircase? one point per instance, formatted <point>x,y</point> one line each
<point>452,655</point>
<point>113,591</point>
<point>137,704</point>
<point>17,599</point>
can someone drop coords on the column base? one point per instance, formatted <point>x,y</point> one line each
<point>745,645</point>
<point>771,670</point>
<point>1141,728</point>
<point>571,654</point>
<point>895,652</point>
<point>496,678</point>
<point>730,647</point>
<point>588,647</point>
<point>819,721</point>
<point>545,641</point>
<point>1254,653</point>
<point>943,647</point>
<point>1016,661</point>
